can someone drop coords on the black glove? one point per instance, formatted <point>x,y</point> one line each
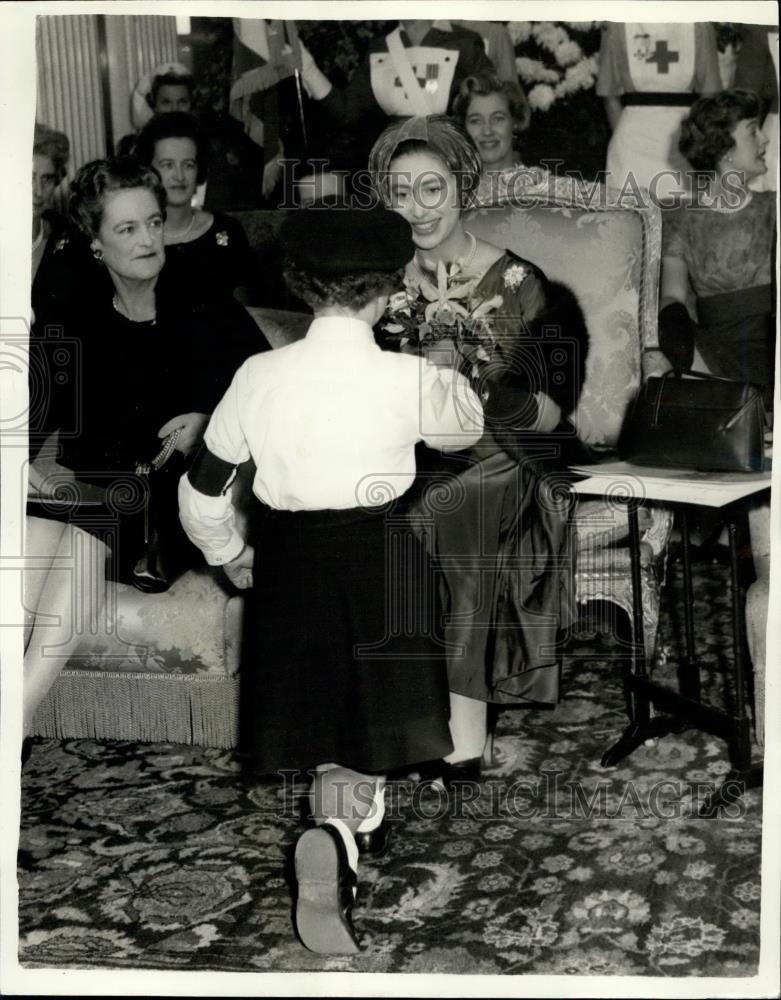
<point>676,335</point>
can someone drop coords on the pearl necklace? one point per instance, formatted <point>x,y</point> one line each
<point>117,308</point>
<point>460,264</point>
<point>38,239</point>
<point>184,232</point>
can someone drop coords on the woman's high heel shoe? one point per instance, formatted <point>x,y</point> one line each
<point>449,776</point>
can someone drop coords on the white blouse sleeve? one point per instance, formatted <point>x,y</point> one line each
<point>205,503</point>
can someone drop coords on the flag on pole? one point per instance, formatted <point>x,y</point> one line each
<point>264,52</point>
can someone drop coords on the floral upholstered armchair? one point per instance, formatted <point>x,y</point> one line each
<point>608,252</point>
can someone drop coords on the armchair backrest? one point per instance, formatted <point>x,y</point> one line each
<point>608,253</point>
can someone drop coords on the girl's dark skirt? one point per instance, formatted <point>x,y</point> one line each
<point>343,663</point>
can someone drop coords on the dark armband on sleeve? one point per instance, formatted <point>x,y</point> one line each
<point>210,475</point>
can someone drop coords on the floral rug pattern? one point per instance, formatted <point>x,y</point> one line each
<point>170,857</point>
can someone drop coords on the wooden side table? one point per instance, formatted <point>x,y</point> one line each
<point>681,708</point>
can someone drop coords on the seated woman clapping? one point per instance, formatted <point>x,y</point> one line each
<point>146,362</point>
<point>501,543</point>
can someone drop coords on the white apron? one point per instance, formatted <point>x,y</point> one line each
<point>412,81</point>
<point>645,142</point>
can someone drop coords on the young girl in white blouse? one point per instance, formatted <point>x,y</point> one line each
<point>342,655</point>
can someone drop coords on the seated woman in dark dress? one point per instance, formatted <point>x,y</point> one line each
<point>203,247</point>
<point>145,361</point>
<point>501,540</point>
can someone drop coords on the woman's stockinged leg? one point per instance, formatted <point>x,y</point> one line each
<point>468,728</point>
<point>64,589</point>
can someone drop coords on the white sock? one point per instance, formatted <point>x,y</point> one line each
<point>349,841</point>
<point>376,812</point>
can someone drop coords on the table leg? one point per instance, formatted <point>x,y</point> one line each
<point>642,727</point>
<point>690,674</point>
<point>742,775</point>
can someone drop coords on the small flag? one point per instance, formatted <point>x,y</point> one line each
<point>264,52</point>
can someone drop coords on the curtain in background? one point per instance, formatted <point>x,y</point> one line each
<point>69,86</point>
<point>72,50</point>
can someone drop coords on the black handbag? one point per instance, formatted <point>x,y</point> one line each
<point>151,571</point>
<point>693,420</point>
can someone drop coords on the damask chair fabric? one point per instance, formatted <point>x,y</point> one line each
<point>608,251</point>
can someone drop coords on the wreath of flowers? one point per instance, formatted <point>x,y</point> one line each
<point>561,67</point>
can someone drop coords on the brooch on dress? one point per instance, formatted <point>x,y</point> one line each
<point>222,239</point>
<point>514,275</point>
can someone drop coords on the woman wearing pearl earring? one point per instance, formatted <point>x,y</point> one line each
<point>147,364</point>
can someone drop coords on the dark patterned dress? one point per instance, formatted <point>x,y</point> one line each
<point>493,517</point>
<point>729,259</point>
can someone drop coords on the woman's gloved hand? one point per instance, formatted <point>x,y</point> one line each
<point>316,82</point>
<point>676,335</point>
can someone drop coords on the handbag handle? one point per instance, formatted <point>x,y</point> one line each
<point>690,371</point>
<point>710,378</point>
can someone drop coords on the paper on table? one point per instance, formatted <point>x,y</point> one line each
<point>710,489</point>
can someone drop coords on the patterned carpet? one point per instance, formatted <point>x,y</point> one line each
<point>166,857</point>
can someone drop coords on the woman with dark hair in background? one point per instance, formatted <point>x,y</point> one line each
<point>207,248</point>
<point>722,246</point>
<point>151,362</point>
<point>494,113</point>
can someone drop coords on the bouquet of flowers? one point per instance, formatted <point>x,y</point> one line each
<point>425,314</point>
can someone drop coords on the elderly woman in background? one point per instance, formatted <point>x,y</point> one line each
<point>500,547</point>
<point>494,113</point>
<point>206,248</point>
<point>53,259</point>
<point>152,363</point>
